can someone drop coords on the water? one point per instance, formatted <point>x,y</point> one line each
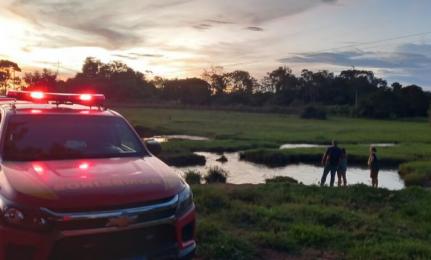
<point>167,138</point>
<point>242,172</point>
<point>294,146</point>
<point>383,145</point>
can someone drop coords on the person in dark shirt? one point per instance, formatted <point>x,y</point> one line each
<point>330,161</point>
<point>373,163</point>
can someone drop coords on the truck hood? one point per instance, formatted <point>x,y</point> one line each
<point>88,184</point>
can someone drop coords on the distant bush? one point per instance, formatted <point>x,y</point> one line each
<point>216,175</point>
<point>282,179</point>
<point>182,159</point>
<point>312,112</point>
<point>416,173</point>
<point>144,131</point>
<point>193,177</point>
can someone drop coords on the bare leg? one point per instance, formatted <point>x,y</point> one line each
<point>344,179</point>
<point>374,183</point>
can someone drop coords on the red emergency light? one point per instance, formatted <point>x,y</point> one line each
<point>58,98</point>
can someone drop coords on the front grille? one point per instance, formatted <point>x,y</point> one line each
<point>114,207</point>
<point>119,245</point>
<point>103,222</point>
<point>68,221</point>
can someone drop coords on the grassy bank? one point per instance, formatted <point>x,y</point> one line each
<point>357,155</point>
<point>252,132</point>
<point>416,173</point>
<point>279,220</point>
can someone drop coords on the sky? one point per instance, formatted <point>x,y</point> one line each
<point>181,38</point>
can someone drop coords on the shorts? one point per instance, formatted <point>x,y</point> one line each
<point>342,168</point>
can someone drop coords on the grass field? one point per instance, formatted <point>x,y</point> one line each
<point>290,221</point>
<point>279,221</point>
<point>260,135</point>
<point>277,129</point>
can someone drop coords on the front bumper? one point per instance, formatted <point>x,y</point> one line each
<point>172,238</point>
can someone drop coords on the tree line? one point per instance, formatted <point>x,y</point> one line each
<point>351,92</point>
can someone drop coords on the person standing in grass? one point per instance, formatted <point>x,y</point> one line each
<point>342,169</point>
<point>330,161</point>
<point>373,163</point>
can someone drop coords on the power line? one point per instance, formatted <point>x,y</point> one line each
<point>406,36</point>
<point>374,42</point>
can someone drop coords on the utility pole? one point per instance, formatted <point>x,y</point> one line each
<point>356,91</point>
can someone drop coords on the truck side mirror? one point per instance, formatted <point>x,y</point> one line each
<point>154,147</point>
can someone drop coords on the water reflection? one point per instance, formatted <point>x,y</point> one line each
<point>167,138</point>
<point>294,146</point>
<point>242,172</point>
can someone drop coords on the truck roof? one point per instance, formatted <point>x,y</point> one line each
<point>24,107</point>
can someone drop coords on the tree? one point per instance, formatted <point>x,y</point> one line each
<point>216,79</point>
<point>191,91</point>
<point>283,83</point>
<point>315,86</point>
<point>45,80</point>
<point>114,79</point>
<point>8,76</point>
<point>240,81</point>
<point>415,101</point>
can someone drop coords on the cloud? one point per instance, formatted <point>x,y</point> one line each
<point>183,34</point>
<point>408,63</point>
<point>136,56</point>
<point>121,24</point>
<point>202,26</point>
<point>385,60</point>
<point>254,28</point>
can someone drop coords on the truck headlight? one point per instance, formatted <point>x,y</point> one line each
<point>17,217</point>
<point>185,201</point>
<point>13,216</point>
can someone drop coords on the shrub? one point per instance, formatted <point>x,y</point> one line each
<point>144,131</point>
<point>416,173</point>
<point>312,112</point>
<point>282,179</point>
<point>193,177</point>
<point>216,175</point>
<point>182,159</point>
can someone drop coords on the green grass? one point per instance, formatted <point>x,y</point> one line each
<point>261,134</point>
<point>258,221</point>
<point>416,173</point>
<point>357,154</point>
<point>276,128</point>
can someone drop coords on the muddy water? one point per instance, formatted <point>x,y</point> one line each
<point>241,172</point>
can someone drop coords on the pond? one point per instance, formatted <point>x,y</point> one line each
<point>167,138</point>
<point>294,146</point>
<point>242,172</point>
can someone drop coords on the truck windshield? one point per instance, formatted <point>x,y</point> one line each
<point>61,137</point>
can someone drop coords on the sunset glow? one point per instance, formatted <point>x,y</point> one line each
<point>182,38</point>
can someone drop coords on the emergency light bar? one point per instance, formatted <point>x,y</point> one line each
<point>59,98</point>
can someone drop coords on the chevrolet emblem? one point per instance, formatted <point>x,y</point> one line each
<point>122,221</point>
